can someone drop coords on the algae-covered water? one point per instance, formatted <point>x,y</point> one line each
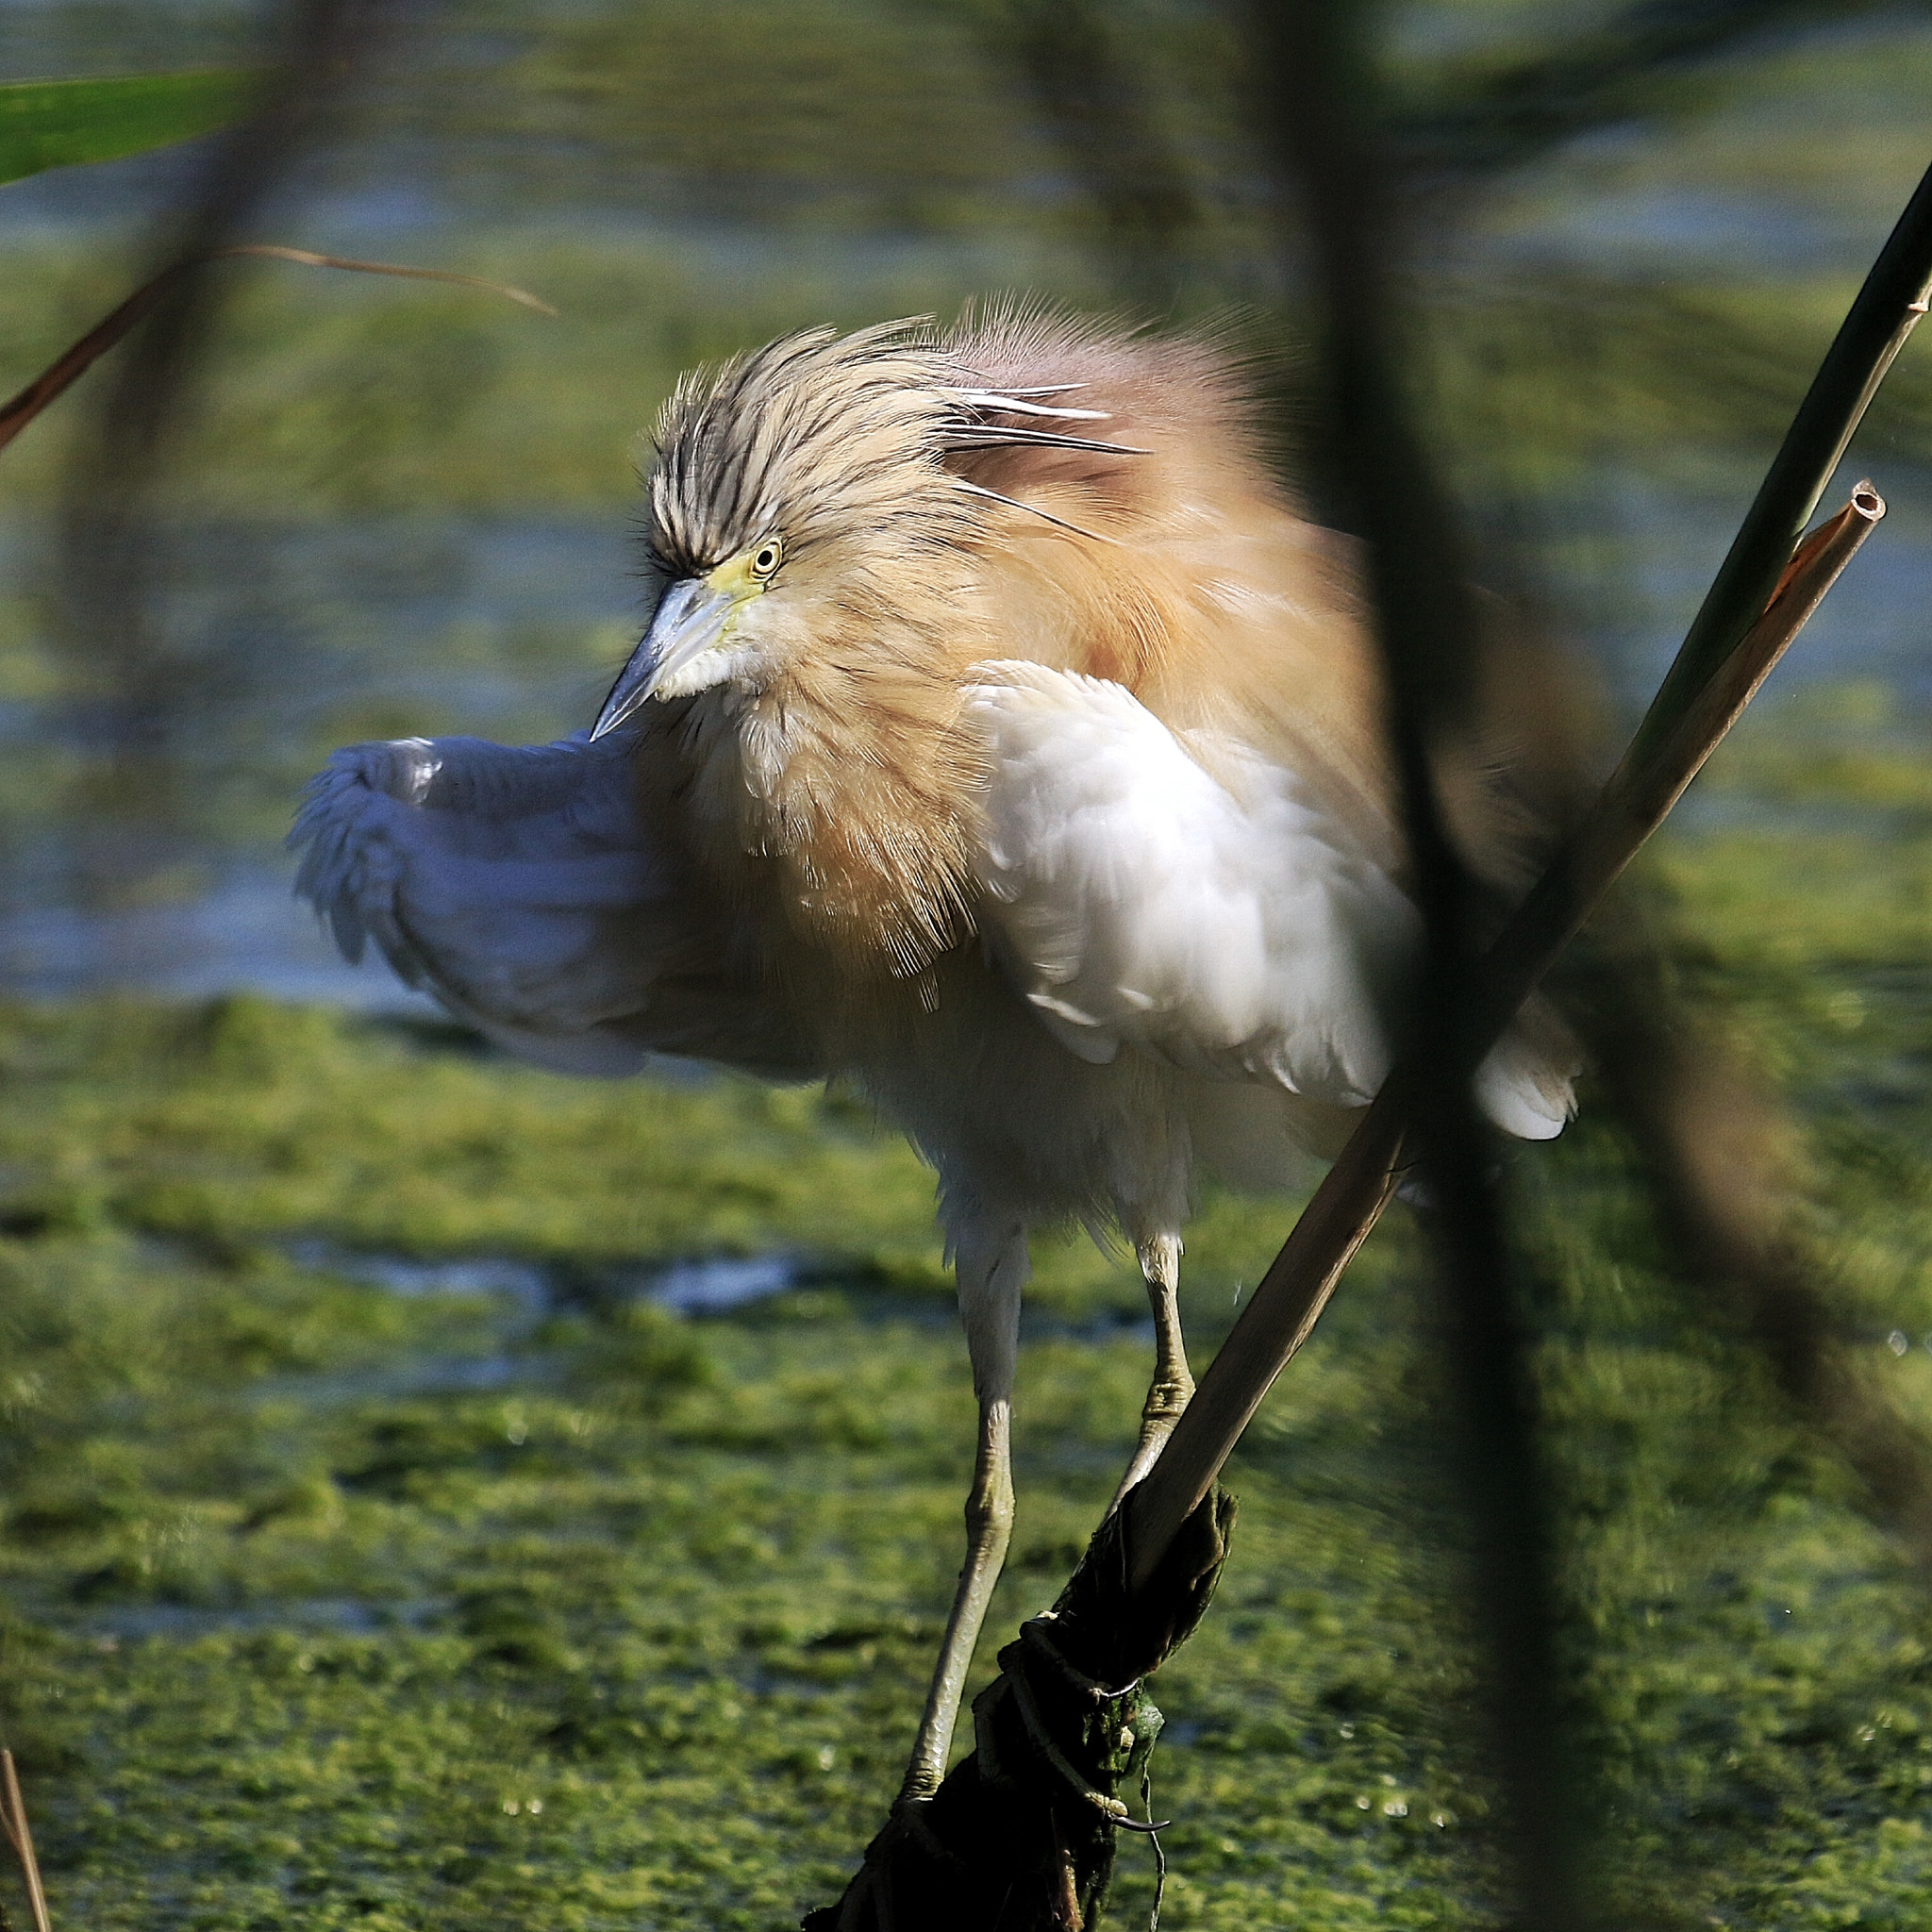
<point>502,1593</point>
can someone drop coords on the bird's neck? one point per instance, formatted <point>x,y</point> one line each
<point>845,793</point>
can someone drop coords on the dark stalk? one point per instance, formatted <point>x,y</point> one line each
<point>1161,1550</point>
<point>1070,54</point>
<point>1319,90</point>
<point>109,540</point>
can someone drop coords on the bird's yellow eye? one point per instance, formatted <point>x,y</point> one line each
<point>767,557</point>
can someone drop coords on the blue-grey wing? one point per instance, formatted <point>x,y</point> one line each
<point>526,887</point>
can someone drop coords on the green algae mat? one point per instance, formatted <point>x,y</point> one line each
<point>377,1552</point>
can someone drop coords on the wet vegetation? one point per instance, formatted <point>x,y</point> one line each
<point>464,1608</point>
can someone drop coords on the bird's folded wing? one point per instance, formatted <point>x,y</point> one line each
<point>1182,893</point>
<point>521,887</point>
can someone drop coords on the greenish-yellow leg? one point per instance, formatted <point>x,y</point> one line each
<point>1173,1384</point>
<point>992,1272</point>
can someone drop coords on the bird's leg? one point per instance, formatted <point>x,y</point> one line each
<point>992,1273</point>
<point>1173,1384</point>
<point>988,1526</point>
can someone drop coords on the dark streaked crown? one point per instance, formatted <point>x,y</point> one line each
<point>819,436</point>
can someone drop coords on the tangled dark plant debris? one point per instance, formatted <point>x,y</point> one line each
<point>1022,1835</point>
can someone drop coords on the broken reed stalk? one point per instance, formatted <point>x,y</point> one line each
<point>1888,307</point>
<point>67,369</point>
<point>13,1817</point>
<point>1755,607</point>
<point>1345,1208</point>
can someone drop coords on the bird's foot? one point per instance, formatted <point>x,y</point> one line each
<point>1166,1400</point>
<point>1167,1397</point>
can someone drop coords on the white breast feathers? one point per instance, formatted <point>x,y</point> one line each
<point>1180,892</point>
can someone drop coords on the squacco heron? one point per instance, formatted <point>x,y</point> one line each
<point>1003,743</point>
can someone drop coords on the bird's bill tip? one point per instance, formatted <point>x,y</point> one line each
<point>689,618</point>
<point>618,705</point>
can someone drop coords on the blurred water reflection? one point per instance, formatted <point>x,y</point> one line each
<point>303,635</point>
<point>431,533</point>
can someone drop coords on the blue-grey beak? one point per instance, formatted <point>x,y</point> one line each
<point>689,619</point>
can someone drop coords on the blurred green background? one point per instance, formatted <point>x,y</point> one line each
<point>404,508</point>
<point>436,1494</point>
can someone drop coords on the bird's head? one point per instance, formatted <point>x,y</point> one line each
<point>813,489</point>
<point>788,485</point>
